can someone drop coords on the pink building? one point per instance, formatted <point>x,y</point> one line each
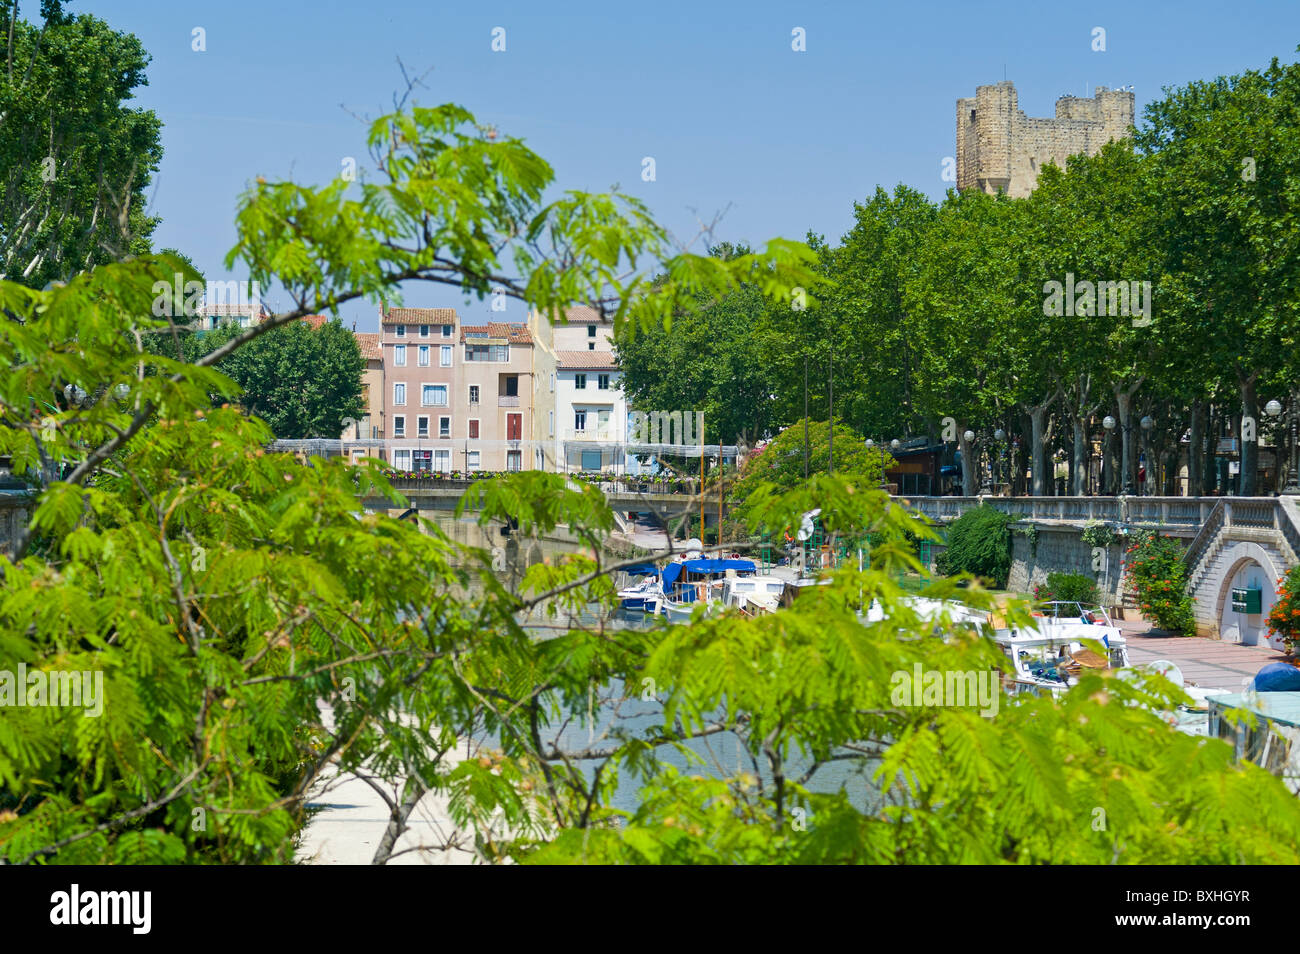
<point>421,397</point>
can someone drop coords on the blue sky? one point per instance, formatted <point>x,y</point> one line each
<point>784,141</point>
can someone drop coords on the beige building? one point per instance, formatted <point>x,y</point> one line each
<point>497,381</point>
<point>1000,149</point>
<point>419,356</point>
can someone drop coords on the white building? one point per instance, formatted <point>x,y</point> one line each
<point>587,416</point>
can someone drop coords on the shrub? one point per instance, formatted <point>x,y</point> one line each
<point>1067,586</point>
<point>979,543</point>
<point>1155,565</point>
<point>1284,619</point>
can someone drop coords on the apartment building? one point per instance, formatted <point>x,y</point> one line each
<point>587,414</point>
<point>497,378</point>
<point>418,352</point>
<point>371,425</point>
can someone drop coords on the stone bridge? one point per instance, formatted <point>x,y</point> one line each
<point>1232,542</point>
<point>624,495</point>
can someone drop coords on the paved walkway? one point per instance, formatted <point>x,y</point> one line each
<point>1208,663</point>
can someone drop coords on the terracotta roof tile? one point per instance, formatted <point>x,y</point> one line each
<point>602,360</point>
<point>315,320</point>
<point>370,349</point>
<point>419,316</point>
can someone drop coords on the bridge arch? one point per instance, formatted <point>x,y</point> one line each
<point>1245,563</point>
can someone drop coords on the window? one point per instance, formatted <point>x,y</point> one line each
<point>424,331</point>
<point>444,359</point>
<point>482,352</point>
<point>399,356</point>
<point>473,394</point>
<point>580,382</point>
<point>444,428</point>
<point>400,331</point>
<point>602,382</point>
<point>512,386</point>
<point>550,423</point>
<point>424,356</point>
<point>447,330</point>
<point>423,459</point>
<point>422,429</point>
<point>399,426</point>
<point>580,420</point>
<point>602,419</point>
<point>472,460</point>
<point>514,460</point>
<point>441,460</point>
<point>514,427</point>
<point>591,460</point>
<point>402,460</point>
<point>552,380</point>
<point>591,331</point>
<point>434,395</point>
<point>591,346</point>
<point>399,393</point>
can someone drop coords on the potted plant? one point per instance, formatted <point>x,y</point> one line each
<point>1284,618</point>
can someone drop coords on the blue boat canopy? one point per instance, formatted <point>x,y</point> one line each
<point>673,570</point>
<point>642,569</point>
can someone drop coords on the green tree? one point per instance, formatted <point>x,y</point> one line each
<point>302,381</point>
<point>76,159</point>
<point>253,629</point>
<point>714,359</point>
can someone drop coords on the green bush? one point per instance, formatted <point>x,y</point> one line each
<point>979,543</point>
<point>1155,567</point>
<point>1068,586</point>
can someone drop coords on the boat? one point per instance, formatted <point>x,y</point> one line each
<point>752,595</point>
<point>643,595</point>
<point>687,583</point>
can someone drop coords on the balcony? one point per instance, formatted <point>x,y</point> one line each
<point>507,400</point>
<point>590,434</point>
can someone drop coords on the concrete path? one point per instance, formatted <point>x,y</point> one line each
<point>1208,663</point>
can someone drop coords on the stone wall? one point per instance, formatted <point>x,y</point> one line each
<point>999,148</point>
<point>1060,550</point>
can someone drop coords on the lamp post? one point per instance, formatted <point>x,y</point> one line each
<point>1274,409</point>
<point>1108,422</point>
<point>1147,425</point>
<point>1000,436</point>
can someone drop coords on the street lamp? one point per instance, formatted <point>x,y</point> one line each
<point>895,444</point>
<point>1147,425</point>
<point>1108,422</point>
<point>1274,409</point>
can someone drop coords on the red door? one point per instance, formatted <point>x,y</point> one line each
<point>514,427</point>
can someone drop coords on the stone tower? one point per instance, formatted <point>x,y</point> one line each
<point>999,148</point>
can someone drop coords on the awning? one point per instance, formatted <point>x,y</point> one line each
<point>674,570</point>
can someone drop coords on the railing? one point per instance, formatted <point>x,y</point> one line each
<point>507,400</point>
<point>589,434</point>
<point>1173,512</point>
<point>1209,527</point>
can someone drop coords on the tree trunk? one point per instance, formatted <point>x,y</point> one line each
<point>1124,402</point>
<point>1211,480</point>
<point>968,469</point>
<point>1249,449</point>
<point>1195,481</point>
<point>1038,437</point>
<point>1079,461</point>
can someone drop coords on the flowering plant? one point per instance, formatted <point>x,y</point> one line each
<point>1284,618</point>
<point>1154,564</point>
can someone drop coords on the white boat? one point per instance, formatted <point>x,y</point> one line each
<point>641,596</point>
<point>752,595</point>
<point>689,583</point>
